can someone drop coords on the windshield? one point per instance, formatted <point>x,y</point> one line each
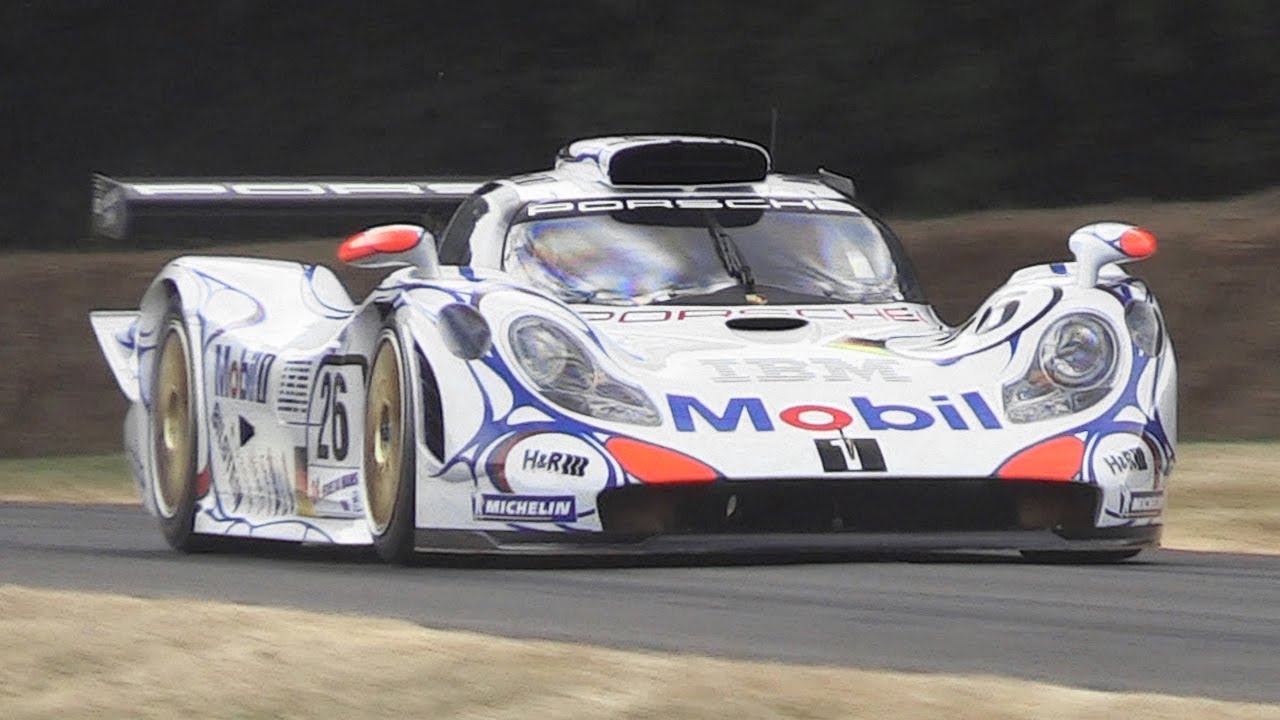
<point>703,256</point>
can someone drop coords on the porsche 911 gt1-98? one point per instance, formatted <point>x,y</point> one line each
<point>658,346</point>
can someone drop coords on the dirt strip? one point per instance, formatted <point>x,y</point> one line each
<point>79,655</point>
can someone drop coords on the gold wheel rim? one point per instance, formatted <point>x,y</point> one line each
<point>174,439</point>
<point>384,423</point>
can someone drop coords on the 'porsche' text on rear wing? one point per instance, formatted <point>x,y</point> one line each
<point>125,207</point>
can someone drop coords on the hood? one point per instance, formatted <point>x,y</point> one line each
<point>776,391</point>
<point>655,339</point>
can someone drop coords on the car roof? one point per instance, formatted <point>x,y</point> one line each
<point>587,169</point>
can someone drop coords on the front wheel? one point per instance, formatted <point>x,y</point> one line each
<point>389,467</point>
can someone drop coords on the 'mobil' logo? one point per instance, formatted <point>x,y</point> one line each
<point>970,412</point>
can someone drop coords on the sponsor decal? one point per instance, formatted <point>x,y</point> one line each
<point>1126,461</point>
<point>246,431</point>
<point>752,370</point>
<point>241,377</point>
<point>901,313</point>
<point>555,462</point>
<point>529,508</point>
<point>1145,504</point>
<point>262,485</point>
<point>604,205</point>
<point>976,413</point>
<point>850,454</point>
<point>333,495</point>
<point>537,463</point>
<point>342,482</point>
<point>225,450</point>
<point>256,483</point>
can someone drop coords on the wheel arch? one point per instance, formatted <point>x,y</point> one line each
<point>174,287</point>
<point>414,313</point>
<point>420,343</point>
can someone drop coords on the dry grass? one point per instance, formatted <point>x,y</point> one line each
<point>1224,496</point>
<point>71,479</point>
<point>77,655</point>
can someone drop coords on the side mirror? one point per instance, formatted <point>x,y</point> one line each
<point>1104,243</point>
<point>392,246</point>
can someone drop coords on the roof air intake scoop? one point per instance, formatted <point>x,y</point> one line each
<point>669,160</point>
<point>688,163</point>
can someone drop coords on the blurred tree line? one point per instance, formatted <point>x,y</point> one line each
<point>934,107</point>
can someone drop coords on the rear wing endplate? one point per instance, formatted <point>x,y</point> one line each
<point>124,208</point>
<point>116,331</point>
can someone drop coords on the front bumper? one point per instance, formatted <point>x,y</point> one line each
<point>819,515</point>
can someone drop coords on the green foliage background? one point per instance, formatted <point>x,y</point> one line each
<point>934,107</point>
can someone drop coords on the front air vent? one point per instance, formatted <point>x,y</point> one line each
<point>848,506</point>
<point>766,323</point>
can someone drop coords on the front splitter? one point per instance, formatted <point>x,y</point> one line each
<point>566,544</point>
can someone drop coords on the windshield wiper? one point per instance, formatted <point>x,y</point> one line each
<point>737,268</point>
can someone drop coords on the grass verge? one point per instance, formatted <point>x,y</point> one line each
<point>73,479</point>
<point>1225,496</point>
<point>79,655</point>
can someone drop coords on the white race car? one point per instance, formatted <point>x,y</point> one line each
<point>659,346</point>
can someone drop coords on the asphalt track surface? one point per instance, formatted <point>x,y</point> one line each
<point>1172,622</point>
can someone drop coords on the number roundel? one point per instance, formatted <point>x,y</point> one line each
<point>334,438</point>
<point>331,434</point>
<point>341,429</point>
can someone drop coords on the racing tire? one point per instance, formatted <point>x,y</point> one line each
<point>174,438</point>
<point>390,470</point>
<point>1079,557</point>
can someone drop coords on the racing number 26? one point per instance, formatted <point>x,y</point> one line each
<point>333,418</point>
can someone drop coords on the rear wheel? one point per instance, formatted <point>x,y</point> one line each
<point>1079,557</point>
<point>173,434</point>
<point>389,467</point>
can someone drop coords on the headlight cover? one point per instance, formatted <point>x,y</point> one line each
<point>1075,364</point>
<point>567,375</point>
<point>1143,321</point>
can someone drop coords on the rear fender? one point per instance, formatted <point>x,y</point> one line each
<point>275,303</point>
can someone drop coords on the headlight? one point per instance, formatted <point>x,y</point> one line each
<point>563,371</point>
<point>1077,352</point>
<point>1074,366</point>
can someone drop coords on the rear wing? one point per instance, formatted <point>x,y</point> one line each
<point>267,207</point>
